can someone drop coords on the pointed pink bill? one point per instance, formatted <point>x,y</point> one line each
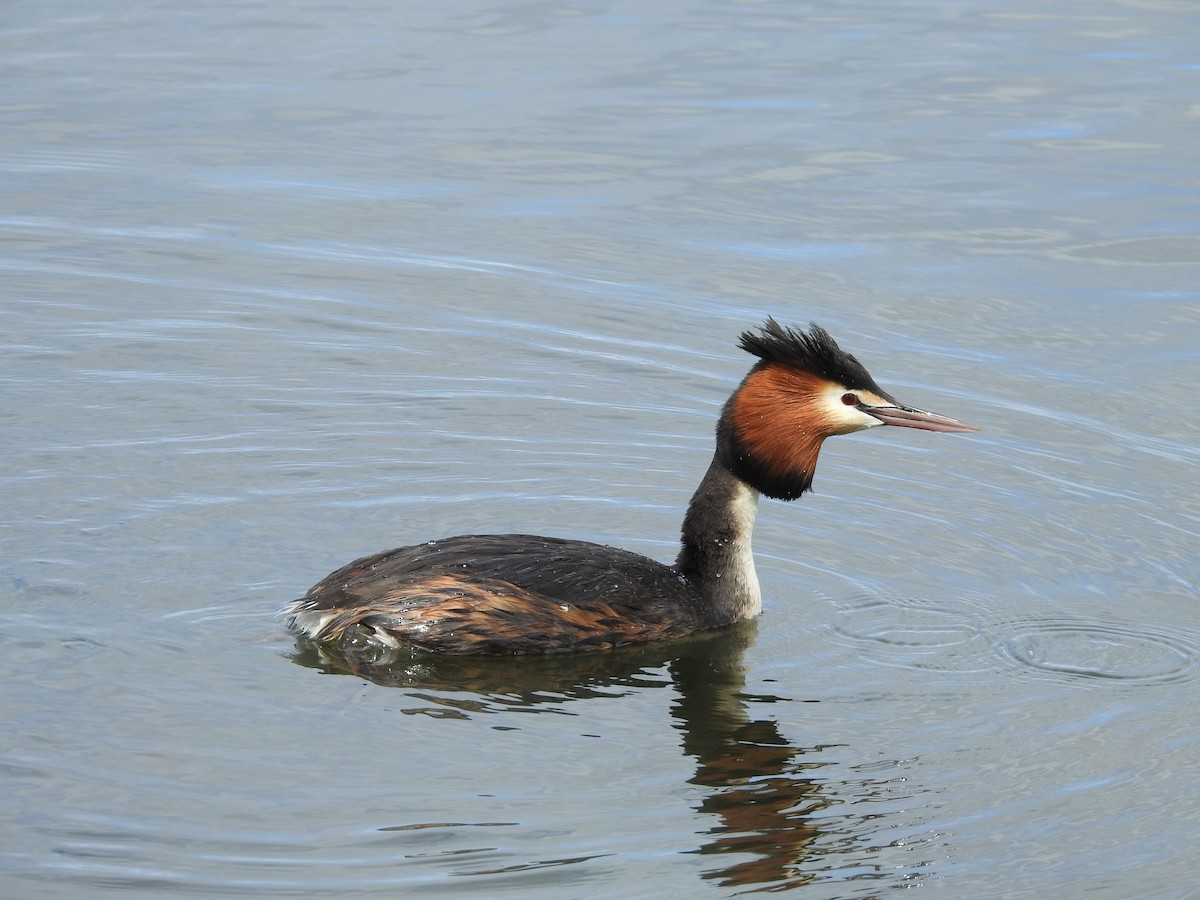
<point>916,418</point>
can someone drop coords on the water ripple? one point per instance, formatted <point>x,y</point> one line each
<point>1094,648</point>
<point>957,636</point>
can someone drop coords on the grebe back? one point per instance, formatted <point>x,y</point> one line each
<point>519,594</point>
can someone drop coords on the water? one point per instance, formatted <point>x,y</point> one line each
<point>284,286</point>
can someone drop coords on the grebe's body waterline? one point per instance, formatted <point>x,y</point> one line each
<point>517,594</point>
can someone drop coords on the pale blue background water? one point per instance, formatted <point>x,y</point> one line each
<point>286,284</point>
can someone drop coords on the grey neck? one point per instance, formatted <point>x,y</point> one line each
<point>716,554</point>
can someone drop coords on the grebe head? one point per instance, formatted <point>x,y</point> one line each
<point>803,389</point>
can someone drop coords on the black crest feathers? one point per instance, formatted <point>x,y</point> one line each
<point>811,351</point>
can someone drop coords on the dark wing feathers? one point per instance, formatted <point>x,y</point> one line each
<point>506,594</point>
<point>571,571</point>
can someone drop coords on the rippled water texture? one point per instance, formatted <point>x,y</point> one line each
<point>285,285</point>
<point>963,637</point>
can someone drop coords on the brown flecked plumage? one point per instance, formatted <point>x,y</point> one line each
<point>518,594</point>
<point>503,594</point>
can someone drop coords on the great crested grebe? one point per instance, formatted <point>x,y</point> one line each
<point>518,593</point>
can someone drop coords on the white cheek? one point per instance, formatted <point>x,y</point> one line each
<point>857,420</point>
<point>847,418</point>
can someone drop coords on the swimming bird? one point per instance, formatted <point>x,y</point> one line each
<point>519,594</point>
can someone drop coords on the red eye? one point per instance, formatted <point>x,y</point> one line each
<point>850,399</point>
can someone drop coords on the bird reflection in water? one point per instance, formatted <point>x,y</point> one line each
<point>761,790</point>
<point>761,797</point>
